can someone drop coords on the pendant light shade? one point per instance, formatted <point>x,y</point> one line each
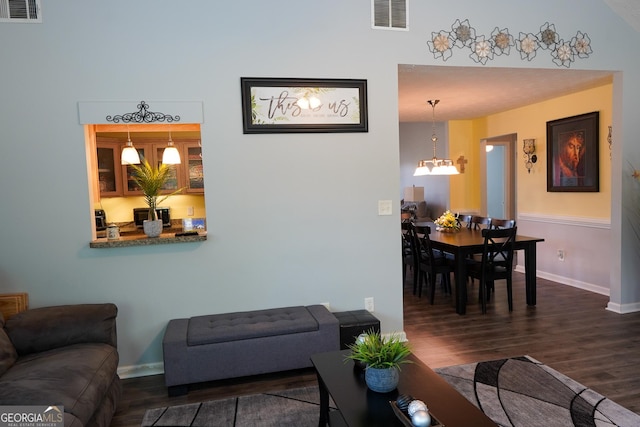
<point>435,166</point>
<point>129,155</point>
<point>170,155</point>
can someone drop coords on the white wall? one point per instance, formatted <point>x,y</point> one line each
<point>584,242</point>
<point>292,218</point>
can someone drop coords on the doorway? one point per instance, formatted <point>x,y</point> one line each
<point>498,176</point>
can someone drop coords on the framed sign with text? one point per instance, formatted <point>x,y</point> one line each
<point>281,105</point>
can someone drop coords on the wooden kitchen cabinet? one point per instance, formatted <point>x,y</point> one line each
<point>192,166</point>
<point>116,180</point>
<point>153,153</point>
<point>109,169</point>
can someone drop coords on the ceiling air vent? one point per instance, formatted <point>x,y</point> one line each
<point>390,14</point>
<point>20,11</point>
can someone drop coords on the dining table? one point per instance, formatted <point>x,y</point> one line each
<point>465,242</point>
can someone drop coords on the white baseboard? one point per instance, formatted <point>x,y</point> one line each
<point>616,308</point>
<point>134,371</point>
<point>570,282</point>
<point>401,335</point>
<point>623,308</point>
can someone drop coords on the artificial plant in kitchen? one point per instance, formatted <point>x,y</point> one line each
<point>151,179</point>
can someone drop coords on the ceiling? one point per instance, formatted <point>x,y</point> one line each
<point>471,92</point>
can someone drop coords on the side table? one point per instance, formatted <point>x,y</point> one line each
<point>354,323</point>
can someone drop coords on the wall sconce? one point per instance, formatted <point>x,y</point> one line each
<point>529,148</point>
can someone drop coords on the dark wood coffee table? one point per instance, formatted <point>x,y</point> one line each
<point>360,407</point>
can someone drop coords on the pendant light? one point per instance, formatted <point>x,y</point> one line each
<point>170,155</point>
<point>435,166</point>
<point>129,155</point>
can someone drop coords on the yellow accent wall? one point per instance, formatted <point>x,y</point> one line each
<point>531,189</point>
<point>120,209</point>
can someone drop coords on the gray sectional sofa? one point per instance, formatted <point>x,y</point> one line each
<point>62,356</point>
<point>219,346</point>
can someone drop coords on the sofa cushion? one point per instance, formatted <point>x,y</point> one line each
<point>8,354</point>
<point>225,327</point>
<point>46,328</point>
<point>77,377</point>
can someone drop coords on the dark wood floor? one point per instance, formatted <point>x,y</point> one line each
<point>569,330</point>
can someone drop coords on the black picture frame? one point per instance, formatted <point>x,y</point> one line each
<point>273,105</point>
<point>573,163</point>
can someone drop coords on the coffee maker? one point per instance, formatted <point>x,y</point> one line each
<point>101,219</point>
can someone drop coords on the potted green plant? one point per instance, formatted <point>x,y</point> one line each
<point>382,357</point>
<point>151,179</point>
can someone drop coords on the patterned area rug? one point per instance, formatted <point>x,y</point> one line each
<point>522,392</point>
<point>295,407</point>
<point>516,392</point>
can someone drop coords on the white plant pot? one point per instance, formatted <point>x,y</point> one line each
<point>152,228</point>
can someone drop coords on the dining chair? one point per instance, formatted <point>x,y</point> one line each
<point>496,263</point>
<point>464,220</point>
<point>410,253</point>
<point>502,223</point>
<point>432,263</point>
<point>479,222</point>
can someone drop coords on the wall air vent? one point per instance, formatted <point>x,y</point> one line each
<point>20,11</point>
<point>390,14</point>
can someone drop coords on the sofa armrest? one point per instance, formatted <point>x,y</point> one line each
<point>47,328</point>
<point>324,317</point>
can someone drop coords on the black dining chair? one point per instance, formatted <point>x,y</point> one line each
<point>410,253</point>
<point>502,223</point>
<point>496,263</point>
<point>479,222</point>
<point>431,264</point>
<point>499,223</point>
<point>464,220</point>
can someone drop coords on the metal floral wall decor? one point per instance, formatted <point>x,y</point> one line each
<point>143,115</point>
<point>484,48</point>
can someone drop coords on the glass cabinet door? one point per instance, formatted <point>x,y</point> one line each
<point>193,168</point>
<point>108,157</point>
<point>131,188</point>
<point>172,183</point>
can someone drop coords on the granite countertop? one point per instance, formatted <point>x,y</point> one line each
<point>130,235</point>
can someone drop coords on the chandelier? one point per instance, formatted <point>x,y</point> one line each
<point>435,166</point>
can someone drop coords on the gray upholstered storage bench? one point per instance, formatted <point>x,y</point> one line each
<point>219,346</point>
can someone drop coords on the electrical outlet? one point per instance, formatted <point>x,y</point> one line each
<point>190,211</point>
<point>368,304</point>
<point>561,254</point>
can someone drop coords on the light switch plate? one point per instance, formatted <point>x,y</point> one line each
<point>384,207</point>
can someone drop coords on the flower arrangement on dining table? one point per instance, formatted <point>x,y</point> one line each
<point>447,222</point>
